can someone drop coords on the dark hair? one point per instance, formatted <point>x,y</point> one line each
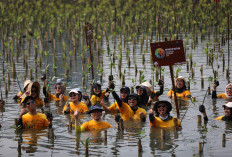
<point>28,98</point>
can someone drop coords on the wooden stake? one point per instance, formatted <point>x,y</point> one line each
<point>199,119</point>
<point>123,80</point>
<point>223,140</point>
<point>16,121</point>
<point>162,134</point>
<point>200,148</point>
<point>209,92</point>
<point>70,125</point>
<point>140,148</point>
<point>120,125</point>
<point>105,136</point>
<point>202,83</point>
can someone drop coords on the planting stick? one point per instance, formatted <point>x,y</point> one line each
<point>173,88</point>
<point>105,136</point>
<point>200,148</point>
<point>228,41</point>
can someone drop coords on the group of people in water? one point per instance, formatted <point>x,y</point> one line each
<point>127,105</point>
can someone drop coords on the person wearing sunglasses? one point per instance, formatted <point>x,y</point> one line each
<point>181,89</point>
<point>59,92</point>
<point>33,90</point>
<point>124,93</point>
<point>227,111</point>
<point>76,103</point>
<point>226,95</point>
<point>95,124</point>
<point>130,111</point>
<point>97,94</point>
<point>33,119</point>
<point>162,119</point>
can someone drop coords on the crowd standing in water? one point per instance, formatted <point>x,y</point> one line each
<point>127,106</point>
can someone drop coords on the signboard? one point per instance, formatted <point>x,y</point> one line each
<point>88,33</point>
<point>168,53</point>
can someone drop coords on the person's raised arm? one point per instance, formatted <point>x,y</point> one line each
<point>214,90</point>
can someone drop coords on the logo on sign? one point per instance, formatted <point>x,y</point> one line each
<point>160,53</point>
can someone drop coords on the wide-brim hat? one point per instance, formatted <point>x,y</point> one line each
<point>34,84</point>
<point>26,83</point>
<point>95,107</point>
<point>27,98</point>
<point>167,103</point>
<point>229,104</point>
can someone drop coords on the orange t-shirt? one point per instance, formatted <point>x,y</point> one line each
<point>37,121</point>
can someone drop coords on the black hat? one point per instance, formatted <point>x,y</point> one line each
<point>167,103</point>
<point>143,87</point>
<point>134,96</point>
<point>95,107</point>
<point>127,89</point>
<point>27,98</point>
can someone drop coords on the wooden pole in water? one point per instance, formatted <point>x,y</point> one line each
<point>209,92</point>
<point>162,134</point>
<point>16,121</point>
<point>199,119</point>
<point>200,148</point>
<point>228,41</point>
<point>120,125</point>
<point>140,148</point>
<point>105,135</point>
<point>70,126</point>
<point>223,140</point>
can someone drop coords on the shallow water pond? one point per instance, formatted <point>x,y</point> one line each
<point>61,141</point>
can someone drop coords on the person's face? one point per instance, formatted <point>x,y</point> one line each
<point>179,83</point>
<point>123,94</point>
<point>33,92</point>
<point>58,89</point>
<point>97,90</point>
<point>96,115</point>
<point>132,101</point>
<point>74,97</point>
<point>229,90</point>
<point>31,105</point>
<point>162,109</point>
<point>140,91</point>
<point>227,111</point>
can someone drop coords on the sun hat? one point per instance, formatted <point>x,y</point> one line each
<point>229,104</point>
<point>27,98</point>
<point>26,83</point>
<point>95,107</point>
<point>30,85</point>
<point>75,90</point>
<point>167,103</point>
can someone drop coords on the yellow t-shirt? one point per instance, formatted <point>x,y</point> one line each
<point>128,114</point>
<point>183,94</point>
<point>114,107</point>
<point>94,99</point>
<point>158,122</point>
<point>219,118</point>
<point>39,102</point>
<point>93,125</point>
<point>52,97</point>
<point>37,121</point>
<point>81,107</point>
<point>222,96</point>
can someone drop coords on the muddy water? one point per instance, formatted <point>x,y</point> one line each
<point>63,142</point>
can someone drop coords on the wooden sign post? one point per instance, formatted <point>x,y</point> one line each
<point>89,40</point>
<point>169,53</point>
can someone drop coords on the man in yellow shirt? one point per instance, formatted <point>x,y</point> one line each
<point>162,118</point>
<point>95,124</point>
<point>33,119</point>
